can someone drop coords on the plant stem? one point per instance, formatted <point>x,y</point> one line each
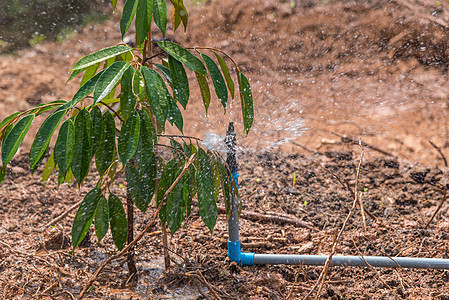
<point>130,216</point>
<point>165,246</point>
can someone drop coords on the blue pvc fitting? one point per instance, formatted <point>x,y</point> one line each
<point>235,254</point>
<point>235,175</point>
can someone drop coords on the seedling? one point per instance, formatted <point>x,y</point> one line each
<point>126,98</point>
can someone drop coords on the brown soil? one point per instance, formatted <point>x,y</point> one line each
<point>323,77</point>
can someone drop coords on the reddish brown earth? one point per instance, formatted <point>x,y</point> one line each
<point>324,75</point>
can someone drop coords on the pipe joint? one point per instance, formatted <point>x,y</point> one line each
<point>235,254</point>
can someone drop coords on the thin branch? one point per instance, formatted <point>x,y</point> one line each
<point>438,208</point>
<point>141,234</point>
<point>440,152</point>
<point>322,277</point>
<point>179,136</point>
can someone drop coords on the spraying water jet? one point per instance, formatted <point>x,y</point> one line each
<point>249,258</point>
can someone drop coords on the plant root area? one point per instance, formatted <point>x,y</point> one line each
<point>351,98</point>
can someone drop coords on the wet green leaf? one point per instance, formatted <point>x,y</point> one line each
<point>180,81</point>
<point>97,128</point>
<point>84,216</point>
<point>83,91</point>
<point>147,138</point>
<point>205,191</point>
<point>129,137</point>
<point>129,10</point>
<point>227,75</point>
<point>143,19</point>
<point>105,153</point>
<point>225,186</point>
<point>142,185</point>
<point>101,218</point>
<point>156,92</point>
<point>204,87</point>
<point>179,14</point>
<point>183,56</point>
<point>64,148</point>
<point>89,73</point>
<point>48,169</point>
<point>100,56</point>
<point>160,14</point>
<point>82,147</point>
<point>118,222</point>
<point>165,71</point>
<point>217,80</point>
<point>169,174</point>
<point>138,85</point>
<point>246,98</point>
<point>109,79</point>
<point>215,174</point>
<point>174,114</point>
<point>176,206</point>
<point>43,136</point>
<point>127,99</point>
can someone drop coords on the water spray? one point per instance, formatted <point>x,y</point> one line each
<point>248,258</point>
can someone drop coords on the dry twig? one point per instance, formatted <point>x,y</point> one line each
<point>438,208</point>
<point>322,277</point>
<point>440,152</point>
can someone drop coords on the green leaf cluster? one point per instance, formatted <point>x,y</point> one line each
<point>117,117</point>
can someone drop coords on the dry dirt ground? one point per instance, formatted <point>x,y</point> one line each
<point>325,74</point>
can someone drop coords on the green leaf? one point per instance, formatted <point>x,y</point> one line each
<point>129,137</point>
<point>97,128</point>
<point>147,138</point>
<point>105,153</point>
<point>127,99</point>
<point>43,136</point>
<point>129,10</point>
<point>183,56</point>
<point>109,79</point>
<point>246,99</point>
<point>176,205</point>
<point>83,91</point>
<point>89,73</point>
<point>8,119</point>
<point>160,14</point>
<point>204,87</point>
<point>138,85</point>
<point>215,174</point>
<point>169,174</point>
<point>84,216</point>
<point>74,74</point>
<point>64,148</point>
<point>43,107</point>
<point>141,185</point>
<point>157,93</point>
<point>6,131</point>
<point>118,222</point>
<point>143,20</point>
<point>225,186</point>
<point>100,56</point>
<point>165,71</point>
<point>179,14</point>
<point>101,218</point>
<point>82,147</point>
<point>114,3</point>
<point>48,169</point>
<point>217,80</point>
<point>205,191</point>
<point>180,81</point>
<point>174,114</point>
<point>227,75</point>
